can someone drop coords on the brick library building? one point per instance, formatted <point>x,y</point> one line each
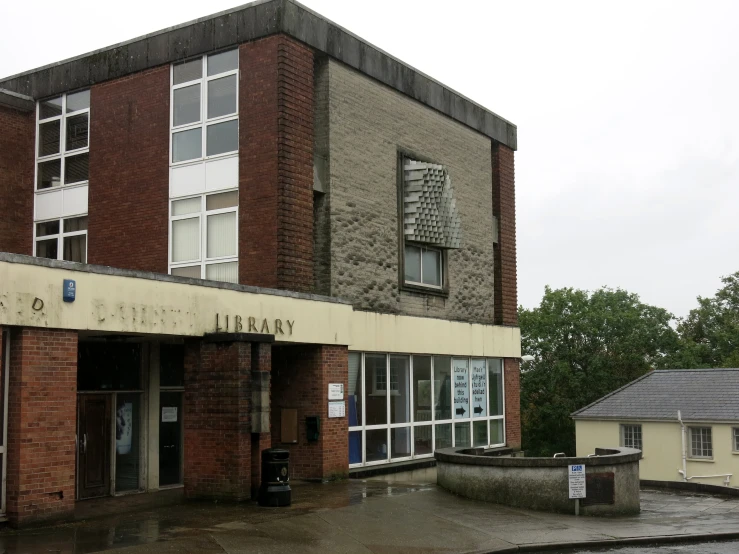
<point>252,230</point>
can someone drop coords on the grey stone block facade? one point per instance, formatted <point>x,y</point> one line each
<point>366,126</point>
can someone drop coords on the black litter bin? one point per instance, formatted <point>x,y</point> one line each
<point>275,488</point>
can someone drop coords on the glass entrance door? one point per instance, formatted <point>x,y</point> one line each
<point>170,439</point>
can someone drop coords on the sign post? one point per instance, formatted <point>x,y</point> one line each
<point>576,480</point>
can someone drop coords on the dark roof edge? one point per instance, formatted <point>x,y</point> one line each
<point>21,102</point>
<point>151,276</point>
<point>601,399</point>
<point>250,22</point>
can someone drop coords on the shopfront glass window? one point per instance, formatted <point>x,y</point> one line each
<point>461,388</point>
<point>127,441</point>
<point>376,445</point>
<point>400,402</point>
<point>442,387</point>
<point>495,370</point>
<point>401,442</point>
<point>422,388</point>
<point>375,380</point>
<point>462,434</point>
<point>443,436</point>
<point>354,398</point>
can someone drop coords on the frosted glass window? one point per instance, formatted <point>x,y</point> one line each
<point>186,105</point>
<point>186,239</point>
<point>225,61</point>
<point>187,145</point>
<point>186,206</point>
<point>222,96</point>
<point>222,200</point>
<point>222,235</point>
<point>227,273</point>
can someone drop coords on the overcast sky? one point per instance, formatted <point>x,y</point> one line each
<point>627,171</point>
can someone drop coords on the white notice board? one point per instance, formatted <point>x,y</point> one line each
<point>337,409</point>
<point>336,391</point>
<point>577,481</point>
<point>479,389</point>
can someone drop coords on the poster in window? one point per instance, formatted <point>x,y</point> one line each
<point>478,373</point>
<point>124,428</point>
<point>461,390</point>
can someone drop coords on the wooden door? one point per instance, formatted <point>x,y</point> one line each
<point>93,445</point>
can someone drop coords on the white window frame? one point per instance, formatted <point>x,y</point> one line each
<point>700,431</point>
<point>204,122</point>
<point>202,216</point>
<point>62,155</point>
<point>60,236</point>
<point>388,427</point>
<point>423,247</point>
<point>629,432</point>
<point>735,438</point>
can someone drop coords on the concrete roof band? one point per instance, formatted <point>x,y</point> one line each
<point>247,23</point>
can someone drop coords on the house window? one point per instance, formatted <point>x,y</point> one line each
<point>431,223</point>
<point>701,445</point>
<point>205,107</point>
<point>62,239</point>
<point>735,434</point>
<point>423,266</point>
<point>62,146</point>
<point>631,436</point>
<point>204,236</point>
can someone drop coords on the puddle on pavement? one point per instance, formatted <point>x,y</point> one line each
<point>134,523</point>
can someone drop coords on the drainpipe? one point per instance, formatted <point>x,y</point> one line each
<point>684,470</point>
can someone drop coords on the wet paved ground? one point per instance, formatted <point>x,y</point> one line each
<point>730,547</point>
<point>365,516</point>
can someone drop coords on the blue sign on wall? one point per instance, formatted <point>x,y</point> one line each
<point>69,291</point>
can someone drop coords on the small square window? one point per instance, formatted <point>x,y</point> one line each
<point>50,108</point>
<point>47,228</point>
<point>701,442</point>
<point>186,105</point>
<point>223,137</point>
<point>187,71</point>
<point>631,436</point>
<point>222,96</point>
<point>47,249</point>
<point>75,248</point>
<point>77,169</point>
<point>49,174</point>
<point>187,145</point>
<point>225,61</point>
<point>77,132</point>
<point>78,101</point>
<point>423,266</point>
<point>48,138</point>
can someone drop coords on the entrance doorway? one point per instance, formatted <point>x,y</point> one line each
<point>93,445</point>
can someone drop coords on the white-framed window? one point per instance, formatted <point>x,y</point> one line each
<point>701,442</point>
<point>435,402</point>
<point>423,266</point>
<point>735,436</point>
<point>63,140</point>
<point>204,236</point>
<point>631,436</point>
<point>204,107</point>
<point>62,239</point>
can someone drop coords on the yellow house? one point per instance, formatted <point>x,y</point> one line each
<point>685,422</point>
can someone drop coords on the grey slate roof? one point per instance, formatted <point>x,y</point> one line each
<point>699,394</point>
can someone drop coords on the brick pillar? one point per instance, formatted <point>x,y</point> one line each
<point>42,406</point>
<point>16,180</point>
<point>505,301</point>
<point>262,439</point>
<point>512,384</point>
<point>217,420</point>
<point>300,379</point>
<point>276,164</point>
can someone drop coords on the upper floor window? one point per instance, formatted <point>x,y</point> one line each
<point>204,237</point>
<point>431,223</point>
<point>205,107</point>
<point>701,442</point>
<point>631,436</point>
<point>62,147</point>
<point>62,239</point>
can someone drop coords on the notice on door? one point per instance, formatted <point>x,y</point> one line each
<point>478,374</point>
<point>169,414</point>
<point>461,389</point>
<point>577,481</point>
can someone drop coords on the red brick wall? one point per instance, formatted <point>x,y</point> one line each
<point>129,172</point>
<point>300,378</point>
<point>504,208</point>
<point>276,164</point>
<point>16,180</point>
<point>512,384</point>
<point>42,406</point>
<point>217,420</point>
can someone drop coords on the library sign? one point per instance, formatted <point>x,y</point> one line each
<point>238,324</point>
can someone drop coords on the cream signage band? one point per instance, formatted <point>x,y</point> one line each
<point>238,324</point>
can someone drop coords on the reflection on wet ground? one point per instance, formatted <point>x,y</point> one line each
<point>120,522</point>
<point>731,547</point>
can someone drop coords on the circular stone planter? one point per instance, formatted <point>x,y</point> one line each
<point>612,480</point>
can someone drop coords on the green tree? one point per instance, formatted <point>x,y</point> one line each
<point>584,345</point>
<point>709,336</point>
